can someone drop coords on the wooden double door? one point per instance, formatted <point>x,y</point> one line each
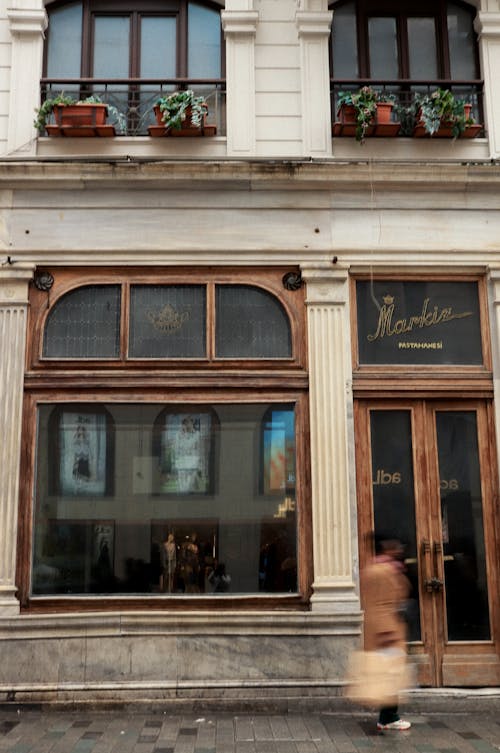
<point>426,472</point>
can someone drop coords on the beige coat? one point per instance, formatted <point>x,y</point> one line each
<point>385,588</point>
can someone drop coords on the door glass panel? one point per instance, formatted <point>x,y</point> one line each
<point>422,48</point>
<point>394,496</point>
<point>383,48</point>
<point>344,42</point>
<point>65,43</point>
<point>111,56</point>
<point>111,46</point>
<point>462,526</point>
<point>203,42</point>
<point>461,40</point>
<point>157,59</point>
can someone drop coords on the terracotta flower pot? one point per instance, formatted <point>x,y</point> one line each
<point>78,116</point>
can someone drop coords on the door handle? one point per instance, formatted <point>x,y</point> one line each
<point>432,583</point>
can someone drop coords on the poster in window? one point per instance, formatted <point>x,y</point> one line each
<point>279,451</point>
<point>186,453</point>
<point>83,445</point>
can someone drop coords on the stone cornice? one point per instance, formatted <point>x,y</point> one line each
<point>285,175</point>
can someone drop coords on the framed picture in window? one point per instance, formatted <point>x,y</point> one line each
<point>185,450</point>
<point>82,454</point>
<point>278,450</point>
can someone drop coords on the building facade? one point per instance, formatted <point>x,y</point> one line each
<point>227,359</point>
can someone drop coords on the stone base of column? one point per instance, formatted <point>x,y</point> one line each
<point>336,598</point>
<point>9,605</point>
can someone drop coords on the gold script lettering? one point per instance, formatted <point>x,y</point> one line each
<point>388,326</point>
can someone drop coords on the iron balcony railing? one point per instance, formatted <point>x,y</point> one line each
<point>404,92</point>
<point>131,100</point>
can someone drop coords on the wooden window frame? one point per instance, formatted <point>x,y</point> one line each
<point>178,382</point>
<point>41,303</point>
<point>366,9</point>
<point>176,8</point>
<point>386,380</point>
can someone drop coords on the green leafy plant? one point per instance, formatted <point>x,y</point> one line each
<point>365,102</point>
<point>441,107</point>
<point>175,109</point>
<point>46,109</point>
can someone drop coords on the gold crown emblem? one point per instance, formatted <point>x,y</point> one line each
<point>167,320</point>
<point>388,299</point>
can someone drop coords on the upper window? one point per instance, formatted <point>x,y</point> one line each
<point>405,47</point>
<point>167,44</point>
<point>167,321</point>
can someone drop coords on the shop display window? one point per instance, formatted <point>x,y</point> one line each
<point>147,498</point>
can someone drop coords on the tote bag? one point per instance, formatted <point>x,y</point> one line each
<point>377,678</point>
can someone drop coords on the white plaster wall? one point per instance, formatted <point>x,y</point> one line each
<point>5,60</point>
<point>277,80</point>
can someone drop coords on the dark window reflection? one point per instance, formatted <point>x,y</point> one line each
<point>462,527</point>
<point>133,523</point>
<point>393,494</point>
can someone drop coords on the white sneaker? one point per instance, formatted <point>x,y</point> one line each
<point>400,724</point>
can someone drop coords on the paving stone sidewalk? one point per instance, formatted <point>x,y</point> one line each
<point>28,731</point>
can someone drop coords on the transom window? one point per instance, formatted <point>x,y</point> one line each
<point>167,321</point>
<point>128,54</point>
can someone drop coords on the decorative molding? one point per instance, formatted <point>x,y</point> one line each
<point>314,23</point>
<point>487,25</point>
<point>240,22</point>
<point>43,280</point>
<point>292,281</point>
<point>27,21</point>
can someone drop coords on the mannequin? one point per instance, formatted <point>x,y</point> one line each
<point>169,563</point>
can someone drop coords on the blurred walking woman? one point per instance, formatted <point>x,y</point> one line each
<point>386,589</point>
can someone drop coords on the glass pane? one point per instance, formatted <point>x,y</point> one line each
<point>462,42</point>
<point>204,33</point>
<point>167,321</point>
<point>383,48</point>
<point>422,48</point>
<point>462,526</point>
<point>158,48</point>
<point>157,60</point>
<point>85,324</point>
<point>65,43</point>
<point>344,42</point>
<point>111,46</point>
<point>121,503</point>
<point>394,496</point>
<point>251,323</point>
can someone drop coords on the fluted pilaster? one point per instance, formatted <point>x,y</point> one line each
<point>13,309</point>
<point>330,395</point>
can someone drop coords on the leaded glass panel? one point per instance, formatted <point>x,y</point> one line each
<point>167,321</point>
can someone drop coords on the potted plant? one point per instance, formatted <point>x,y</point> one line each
<point>79,117</point>
<point>365,109</point>
<point>441,113</point>
<point>181,110</point>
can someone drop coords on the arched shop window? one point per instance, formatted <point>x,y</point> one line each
<point>405,47</point>
<point>166,421</point>
<point>128,53</point>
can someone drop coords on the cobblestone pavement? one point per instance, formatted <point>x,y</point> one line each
<point>28,731</point>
